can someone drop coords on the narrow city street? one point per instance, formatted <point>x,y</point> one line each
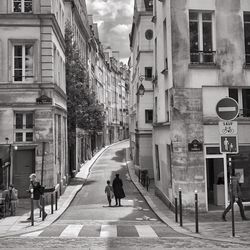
<point>89,223</point>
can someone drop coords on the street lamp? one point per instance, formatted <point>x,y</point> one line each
<point>141,89</point>
<point>8,164</point>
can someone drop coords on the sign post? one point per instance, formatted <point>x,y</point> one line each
<point>227,110</point>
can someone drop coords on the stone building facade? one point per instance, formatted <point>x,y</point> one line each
<point>33,118</point>
<point>141,106</point>
<point>201,56</point>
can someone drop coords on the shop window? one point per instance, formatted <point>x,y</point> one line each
<point>24,127</point>
<point>242,96</point>
<point>241,164</point>
<point>148,116</point>
<point>23,62</point>
<point>247,36</point>
<point>201,37</point>
<point>22,6</point>
<point>157,163</point>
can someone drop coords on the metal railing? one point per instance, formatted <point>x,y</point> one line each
<point>202,57</point>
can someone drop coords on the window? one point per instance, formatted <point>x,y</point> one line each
<point>166,106</point>
<point>22,6</point>
<point>242,96</point>
<point>155,55</point>
<point>157,163</point>
<point>149,116</point>
<point>247,36</point>
<point>23,63</point>
<point>165,43</point>
<point>155,111</point>
<point>148,73</point>
<point>149,34</point>
<point>201,37</point>
<point>24,127</point>
<point>169,166</point>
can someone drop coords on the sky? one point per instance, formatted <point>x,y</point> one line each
<point>114,19</point>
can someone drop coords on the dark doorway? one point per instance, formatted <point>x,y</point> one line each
<point>215,183</point>
<point>23,166</point>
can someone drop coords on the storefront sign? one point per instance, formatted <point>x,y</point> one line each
<point>195,146</point>
<point>43,99</point>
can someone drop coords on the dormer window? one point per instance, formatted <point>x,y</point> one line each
<point>24,6</point>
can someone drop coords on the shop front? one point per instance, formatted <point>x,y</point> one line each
<point>218,175</point>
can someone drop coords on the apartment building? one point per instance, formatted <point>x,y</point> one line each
<point>201,55</point>
<point>141,104</point>
<point>33,118</point>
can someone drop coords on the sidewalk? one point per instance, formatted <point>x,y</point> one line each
<point>211,225</point>
<point>14,225</point>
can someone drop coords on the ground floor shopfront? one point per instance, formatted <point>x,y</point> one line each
<point>33,140</point>
<point>218,175</point>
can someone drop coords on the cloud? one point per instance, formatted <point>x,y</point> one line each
<point>114,18</point>
<point>121,29</point>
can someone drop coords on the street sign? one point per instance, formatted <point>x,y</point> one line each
<point>228,127</point>
<point>229,144</point>
<point>227,109</point>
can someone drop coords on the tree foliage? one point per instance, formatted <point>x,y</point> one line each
<point>83,110</point>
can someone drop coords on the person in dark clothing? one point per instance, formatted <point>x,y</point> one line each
<point>36,188</point>
<point>118,190</point>
<point>237,196</point>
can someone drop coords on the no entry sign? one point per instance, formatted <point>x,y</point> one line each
<point>227,109</point>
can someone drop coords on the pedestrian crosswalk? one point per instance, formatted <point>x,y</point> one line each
<point>103,231</point>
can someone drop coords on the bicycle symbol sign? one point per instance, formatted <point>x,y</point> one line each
<point>228,127</point>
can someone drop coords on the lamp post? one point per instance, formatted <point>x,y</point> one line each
<point>141,89</point>
<point>8,163</point>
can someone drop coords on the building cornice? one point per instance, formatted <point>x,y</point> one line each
<point>28,20</point>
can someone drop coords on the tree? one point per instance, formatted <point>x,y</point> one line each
<point>83,110</point>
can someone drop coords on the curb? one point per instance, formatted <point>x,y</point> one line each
<point>64,206</point>
<point>170,223</point>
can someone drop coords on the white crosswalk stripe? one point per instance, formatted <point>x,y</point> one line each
<point>32,234</point>
<point>108,231</point>
<point>71,231</point>
<point>146,231</point>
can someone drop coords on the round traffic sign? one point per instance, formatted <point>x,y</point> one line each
<point>227,109</point>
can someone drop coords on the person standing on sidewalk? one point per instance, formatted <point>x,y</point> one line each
<point>118,190</point>
<point>37,192</point>
<point>237,196</point>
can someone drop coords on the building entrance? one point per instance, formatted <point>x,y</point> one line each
<point>216,182</point>
<point>23,166</point>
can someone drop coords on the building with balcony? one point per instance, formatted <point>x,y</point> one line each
<point>201,55</point>
<point>33,118</point>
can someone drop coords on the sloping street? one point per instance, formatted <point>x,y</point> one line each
<point>89,223</point>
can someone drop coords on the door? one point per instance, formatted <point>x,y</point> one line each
<point>215,183</point>
<point>23,166</point>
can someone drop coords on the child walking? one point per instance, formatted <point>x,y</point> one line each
<point>109,192</point>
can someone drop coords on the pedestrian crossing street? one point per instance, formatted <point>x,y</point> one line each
<point>104,231</point>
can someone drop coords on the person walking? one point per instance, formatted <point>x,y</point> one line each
<point>237,196</point>
<point>36,187</point>
<point>109,192</point>
<point>118,190</point>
